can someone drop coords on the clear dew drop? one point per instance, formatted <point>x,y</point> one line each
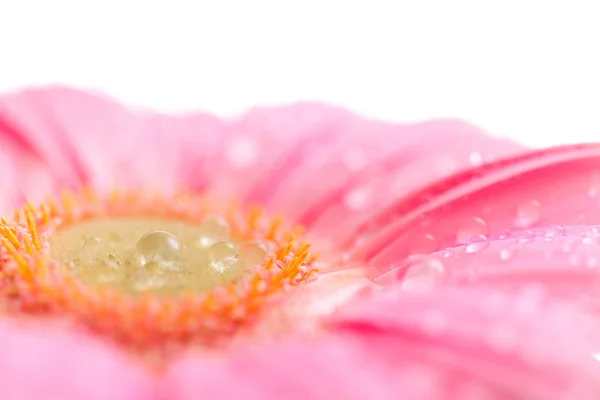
<point>160,247</point>
<point>213,229</point>
<point>253,253</point>
<point>113,262</point>
<point>476,244</point>
<point>505,234</point>
<point>526,237</point>
<point>449,252</point>
<point>528,213</point>
<point>90,241</point>
<point>222,255</point>
<point>475,159</point>
<point>475,226</point>
<point>420,273</point>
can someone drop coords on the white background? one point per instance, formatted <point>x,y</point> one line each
<point>526,69</point>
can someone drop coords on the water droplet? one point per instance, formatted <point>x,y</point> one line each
<point>358,198</point>
<point>90,241</point>
<point>507,253</point>
<point>526,237</point>
<point>476,244</point>
<point>160,247</point>
<point>475,226</point>
<point>449,252</point>
<point>504,234</point>
<point>113,261</point>
<point>421,265</point>
<point>528,213</point>
<point>253,253</point>
<point>222,256</point>
<point>595,231</point>
<point>212,230</point>
<point>475,159</point>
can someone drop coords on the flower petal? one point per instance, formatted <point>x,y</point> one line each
<point>327,368</point>
<point>317,163</point>
<point>542,188</point>
<point>23,175</point>
<point>511,344</point>
<point>88,138</point>
<point>53,364</point>
<point>563,262</point>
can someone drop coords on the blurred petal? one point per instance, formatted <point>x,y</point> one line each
<point>316,162</point>
<point>542,188</point>
<point>88,138</point>
<point>512,345</point>
<point>23,176</point>
<point>44,362</point>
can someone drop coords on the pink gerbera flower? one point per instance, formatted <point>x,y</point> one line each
<point>300,252</point>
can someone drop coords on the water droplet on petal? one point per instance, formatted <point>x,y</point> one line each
<point>222,256</point>
<point>476,244</point>
<point>528,213</point>
<point>595,231</point>
<point>160,247</point>
<point>505,234</point>
<point>449,252</point>
<point>416,273</point>
<point>554,233</point>
<point>358,198</point>
<point>526,237</point>
<point>507,253</point>
<point>475,226</point>
<point>475,159</point>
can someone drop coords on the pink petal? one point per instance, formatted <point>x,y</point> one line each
<point>316,163</point>
<point>49,363</point>
<point>323,369</point>
<point>512,344</point>
<point>23,175</point>
<point>543,188</point>
<point>87,138</point>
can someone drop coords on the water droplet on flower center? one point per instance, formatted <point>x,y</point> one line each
<point>222,255</point>
<point>159,247</point>
<point>163,256</point>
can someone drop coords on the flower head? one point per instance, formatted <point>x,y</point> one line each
<point>295,252</point>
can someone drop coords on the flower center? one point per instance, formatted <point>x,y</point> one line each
<point>160,256</point>
<point>149,272</point>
